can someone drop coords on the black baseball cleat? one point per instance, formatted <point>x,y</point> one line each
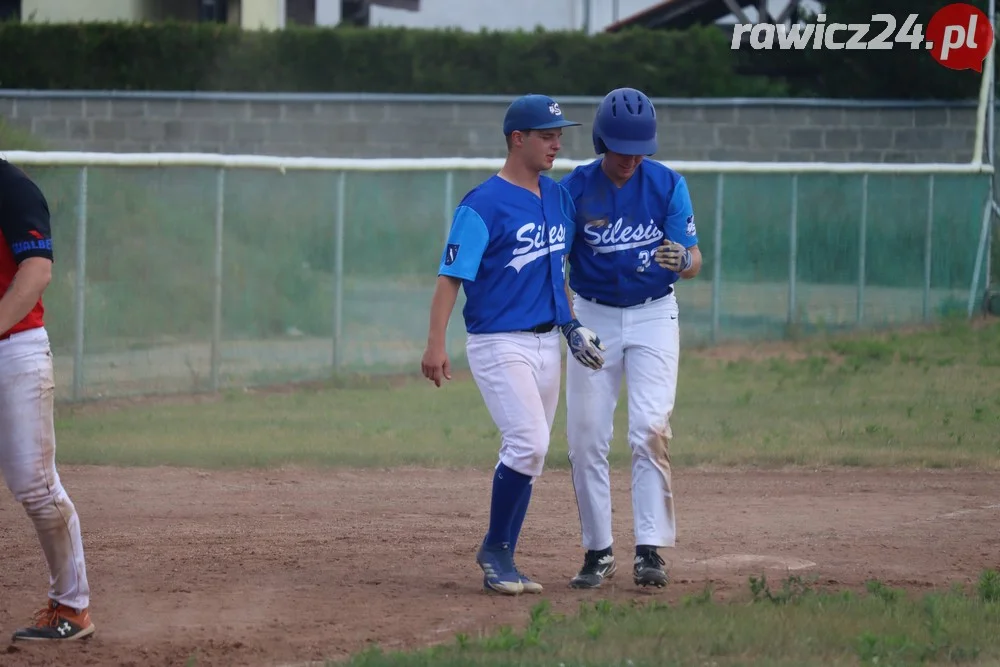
<point>57,622</point>
<point>648,569</point>
<point>597,566</point>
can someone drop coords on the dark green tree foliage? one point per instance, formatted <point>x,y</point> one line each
<point>389,60</point>
<point>897,73</point>
<point>697,62</point>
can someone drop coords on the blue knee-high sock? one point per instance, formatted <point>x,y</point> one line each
<point>518,520</point>
<point>508,488</point>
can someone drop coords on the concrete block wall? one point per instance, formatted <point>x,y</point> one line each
<point>368,126</point>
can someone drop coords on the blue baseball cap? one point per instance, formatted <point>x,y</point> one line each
<point>534,112</point>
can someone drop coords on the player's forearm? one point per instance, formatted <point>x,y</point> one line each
<point>569,299</point>
<point>695,267</point>
<point>30,281</point>
<point>442,304</point>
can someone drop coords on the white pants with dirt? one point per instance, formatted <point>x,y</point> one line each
<point>27,459</point>
<point>518,375</point>
<point>643,346</point>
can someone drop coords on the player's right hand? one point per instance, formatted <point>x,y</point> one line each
<point>673,256</point>
<point>584,344</point>
<point>436,366</point>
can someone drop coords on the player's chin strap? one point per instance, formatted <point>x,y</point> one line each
<point>584,344</point>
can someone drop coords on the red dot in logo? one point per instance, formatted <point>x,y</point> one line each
<point>961,36</point>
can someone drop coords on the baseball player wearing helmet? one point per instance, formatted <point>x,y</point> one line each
<point>507,247</point>
<point>636,238</point>
<point>27,431</point>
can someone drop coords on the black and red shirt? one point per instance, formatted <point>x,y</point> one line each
<point>24,232</point>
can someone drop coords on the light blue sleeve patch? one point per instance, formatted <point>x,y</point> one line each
<point>680,225</point>
<point>466,244</point>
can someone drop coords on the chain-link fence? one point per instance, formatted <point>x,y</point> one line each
<point>188,278</point>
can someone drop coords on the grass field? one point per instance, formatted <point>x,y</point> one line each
<point>923,399</point>
<point>284,477</point>
<point>790,625</point>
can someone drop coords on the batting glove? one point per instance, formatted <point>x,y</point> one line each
<point>584,344</point>
<point>673,257</point>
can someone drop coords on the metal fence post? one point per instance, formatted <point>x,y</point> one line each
<point>862,249</point>
<point>928,248</point>
<point>338,272</point>
<point>80,310</point>
<point>217,268</point>
<point>793,249</point>
<point>449,197</point>
<point>982,250</point>
<point>717,258</point>
<point>989,256</point>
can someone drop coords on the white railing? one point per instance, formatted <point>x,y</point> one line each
<point>222,161</point>
<point>449,166</point>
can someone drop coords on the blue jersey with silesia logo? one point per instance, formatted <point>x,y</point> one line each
<point>619,229</point>
<point>508,246</point>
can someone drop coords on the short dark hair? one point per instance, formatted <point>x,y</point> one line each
<point>509,136</point>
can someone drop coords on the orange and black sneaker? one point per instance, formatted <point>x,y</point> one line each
<point>57,622</point>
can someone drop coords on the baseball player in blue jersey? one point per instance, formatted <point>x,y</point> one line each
<point>507,247</point>
<point>635,238</point>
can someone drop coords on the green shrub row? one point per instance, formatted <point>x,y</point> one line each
<point>899,72</point>
<point>210,57</point>
<point>696,62</point>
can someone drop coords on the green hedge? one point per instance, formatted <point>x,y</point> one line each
<point>896,73</point>
<point>696,62</point>
<point>201,57</point>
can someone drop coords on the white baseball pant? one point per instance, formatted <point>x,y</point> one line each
<point>518,375</point>
<point>643,345</point>
<point>28,461</point>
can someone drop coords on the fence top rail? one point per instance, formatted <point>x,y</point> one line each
<point>444,98</point>
<point>225,161</point>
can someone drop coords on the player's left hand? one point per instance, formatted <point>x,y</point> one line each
<point>435,365</point>
<point>673,256</point>
<point>584,344</point>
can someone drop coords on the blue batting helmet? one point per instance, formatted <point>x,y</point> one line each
<point>625,123</point>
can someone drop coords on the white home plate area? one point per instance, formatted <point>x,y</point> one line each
<point>752,561</point>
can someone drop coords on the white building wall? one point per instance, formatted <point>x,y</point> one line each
<point>72,11</point>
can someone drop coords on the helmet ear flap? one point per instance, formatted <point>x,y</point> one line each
<point>599,146</point>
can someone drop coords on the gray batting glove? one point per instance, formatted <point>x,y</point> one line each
<point>673,256</point>
<point>584,344</point>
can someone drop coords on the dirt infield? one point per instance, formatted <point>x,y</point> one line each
<point>296,565</point>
